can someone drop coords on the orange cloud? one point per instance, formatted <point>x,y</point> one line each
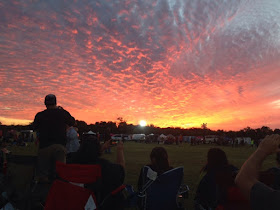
<point>171,64</point>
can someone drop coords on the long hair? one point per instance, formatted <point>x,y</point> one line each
<point>224,173</point>
<point>160,157</point>
<point>89,150</point>
<point>216,159</point>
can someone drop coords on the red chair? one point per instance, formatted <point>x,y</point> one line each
<point>235,200</point>
<point>69,192</point>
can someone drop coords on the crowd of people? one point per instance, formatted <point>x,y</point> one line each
<point>223,186</point>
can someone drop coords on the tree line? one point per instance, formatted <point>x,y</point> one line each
<point>122,127</point>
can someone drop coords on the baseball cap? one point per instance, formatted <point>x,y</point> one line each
<point>50,99</point>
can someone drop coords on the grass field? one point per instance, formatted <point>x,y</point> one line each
<point>191,157</point>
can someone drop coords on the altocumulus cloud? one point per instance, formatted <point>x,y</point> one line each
<point>173,63</point>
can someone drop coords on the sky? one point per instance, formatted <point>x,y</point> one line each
<point>176,63</point>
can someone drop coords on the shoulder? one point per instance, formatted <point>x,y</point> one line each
<point>65,112</point>
<point>62,113</point>
<point>40,114</point>
<point>68,117</point>
<point>264,197</point>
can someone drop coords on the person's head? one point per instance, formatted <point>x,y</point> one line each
<point>159,159</point>
<point>216,159</point>
<point>50,101</point>
<point>89,150</point>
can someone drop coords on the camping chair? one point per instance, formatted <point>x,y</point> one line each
<point>71,189</point>
<point>68,192</point>
<point>163,191</point>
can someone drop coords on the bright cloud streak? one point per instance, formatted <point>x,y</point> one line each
<point>172,63</point>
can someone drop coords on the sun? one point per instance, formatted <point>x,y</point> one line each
<point>142,123</point>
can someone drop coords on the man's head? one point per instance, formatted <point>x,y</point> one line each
<point>50,100</point>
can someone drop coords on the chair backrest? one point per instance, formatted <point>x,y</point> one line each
<point>163,191</point>
<point>78,173</point>
<point>65,195</point>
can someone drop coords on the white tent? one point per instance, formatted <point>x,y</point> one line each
<point>91,133</point>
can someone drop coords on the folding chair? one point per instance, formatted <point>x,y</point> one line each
<point>68,192</point>
<point>163,192</point>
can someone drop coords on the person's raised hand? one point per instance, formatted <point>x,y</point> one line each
<point>270,144</point>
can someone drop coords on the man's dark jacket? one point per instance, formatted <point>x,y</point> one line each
<point>51,125</point>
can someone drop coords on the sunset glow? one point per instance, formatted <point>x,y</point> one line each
<point>172,63</point>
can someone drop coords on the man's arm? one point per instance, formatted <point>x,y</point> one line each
<point>248,174</point>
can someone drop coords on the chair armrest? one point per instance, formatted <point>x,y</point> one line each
<point>117,190</point>
<point>184,191</point>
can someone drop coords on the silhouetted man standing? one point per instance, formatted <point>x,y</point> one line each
<point>51,125</point>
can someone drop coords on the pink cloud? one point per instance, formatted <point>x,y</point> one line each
<point>183,67</point>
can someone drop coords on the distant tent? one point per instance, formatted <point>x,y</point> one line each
<point>91,133</point>
<point>88,134</point>
<point>162,137</point>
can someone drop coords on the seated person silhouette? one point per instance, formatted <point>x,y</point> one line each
<point>213,188</point>
<point>113,174</point>
<point>160,186</point>
<point>159,163</point>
